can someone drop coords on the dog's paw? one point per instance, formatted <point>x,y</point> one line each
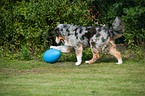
<point>119,62</point>
<point>77,63</point>
<point>52,47</point>
<point>87,62</point>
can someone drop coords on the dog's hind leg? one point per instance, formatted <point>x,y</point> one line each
<point>114,52</point>
<point>79,50</point>
<point>95,56</point>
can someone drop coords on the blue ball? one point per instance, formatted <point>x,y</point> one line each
<point>51,55</point>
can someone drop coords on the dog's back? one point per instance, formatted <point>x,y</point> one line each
<point>76,34</point>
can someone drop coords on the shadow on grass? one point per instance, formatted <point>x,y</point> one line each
<point>68,60</point>
<point>71,63</point>
<point>110,60</point>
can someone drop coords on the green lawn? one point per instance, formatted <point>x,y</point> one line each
<point>37,78</point>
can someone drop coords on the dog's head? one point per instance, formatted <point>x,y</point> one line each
<point>58,35</point>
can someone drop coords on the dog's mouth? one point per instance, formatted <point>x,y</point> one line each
<point>62,41</point>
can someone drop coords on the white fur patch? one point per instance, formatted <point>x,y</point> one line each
<point>119,61</point>
<point>60,48</point>
<point>79,60</point>
<point>56,40</point>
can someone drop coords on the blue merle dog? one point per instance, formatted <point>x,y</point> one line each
<point>95,37</point>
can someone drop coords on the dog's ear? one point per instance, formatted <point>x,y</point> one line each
<point>56,31</point>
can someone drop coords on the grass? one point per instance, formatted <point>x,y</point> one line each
<point>103,78</point>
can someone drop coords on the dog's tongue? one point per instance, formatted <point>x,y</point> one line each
<point>62,41</point>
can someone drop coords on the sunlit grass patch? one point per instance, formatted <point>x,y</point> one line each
<point>37,78</point>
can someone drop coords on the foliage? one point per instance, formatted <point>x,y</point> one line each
<point>25,53</point>
<point>132,13</point>
<point>138,53</point>
<point>22,54</point>
<point>31,22</point>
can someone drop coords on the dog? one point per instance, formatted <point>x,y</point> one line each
<point>97,38</point>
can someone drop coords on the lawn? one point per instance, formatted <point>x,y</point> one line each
<point>37,78</point>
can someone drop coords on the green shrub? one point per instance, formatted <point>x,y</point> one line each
<point>31,22</point>
<point>139,53</point>
<point>25,53</point>
<point>132,13</point>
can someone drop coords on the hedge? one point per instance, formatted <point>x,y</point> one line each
<point>31,23</point>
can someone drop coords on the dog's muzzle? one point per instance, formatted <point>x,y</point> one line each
<point>58,39</point>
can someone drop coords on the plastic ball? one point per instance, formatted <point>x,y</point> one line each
<point>51,55</point>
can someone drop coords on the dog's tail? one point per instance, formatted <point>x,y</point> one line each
<point>117,28</point>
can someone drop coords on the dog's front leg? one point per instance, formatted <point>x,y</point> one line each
<point>54,47</point>
<point>62,48</point>
<point>79,50</point>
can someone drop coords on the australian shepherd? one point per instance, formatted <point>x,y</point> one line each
<point>96,38</point>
